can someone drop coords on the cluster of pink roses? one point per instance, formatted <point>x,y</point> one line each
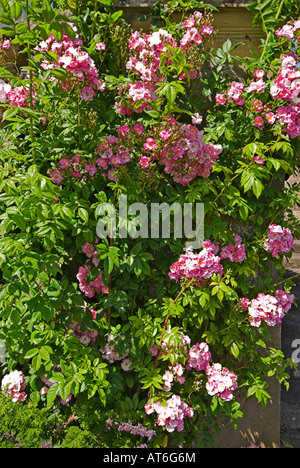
<point>221,382</point>
<point>289,30</point>
<point>87,337</point>
<point>199,357</point>
<point>72,58</point>
<point>286,86</point>
<point>195,28</point>
<point>279,240</point>
<point>180,148</point>
<point>233,94</point>
<point>146,51</point>
<point>182,151</point>
<point>89,250</point>
<point>284,299</point>
<point>175,374</point>
<point>13,385</point>
<point>236,88</point>
<point>73,167</point>
<point>270,309</point>
<point>110,354</point>
<point>171,415</point>
<point>20,96</point>
<point>201,266</point>
<point>111,156</point>
<point>90,288</point>
<point>78,62</point>
<point>257,85</point>
<point>196,266</point>
<point>135,97</point>
<point>234,252</point>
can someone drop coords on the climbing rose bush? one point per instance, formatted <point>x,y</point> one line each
<point>140,340</point>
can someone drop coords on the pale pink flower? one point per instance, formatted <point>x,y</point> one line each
<point>144,161</point>
<point>100,46</point>
<point>220,99</point>
<point>90,169</point>
<point>126,364</point>
<point>56,176</point>
<point>150,144</point>
<point>87,93</point>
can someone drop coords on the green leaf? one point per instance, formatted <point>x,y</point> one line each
<point>51,394</point>
<point>9,113</point>
<point>5,6</point>
<point>102,396</point>
<point>226,46</point>
<point>171,94</point>
<point>16,10</point>
<point>247,180</point>
<point>57,31</point>
<point>257,188</point>
<point>234,349</point>
<point>57,377</point>
<point>31,353</point>
<point>244,212</point>
<point>36,362</point>
<point>116,15</point>
<point>83,214</point>
<point>65,390</point>
<point>44,353</point>
<point>251,391</point>
<point>35,398</point>
<point>5,18</point>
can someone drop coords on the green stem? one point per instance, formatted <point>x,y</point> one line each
<point>30,86</point>
<point>269,32</point>
<point>287,278</point>
<point>111,244</point>
<point>184,287</point>
<point>94,19</point>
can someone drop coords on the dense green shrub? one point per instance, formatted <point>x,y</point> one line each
<point>22,425</point>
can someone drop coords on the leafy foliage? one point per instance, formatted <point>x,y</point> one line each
<point>73,341</point>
